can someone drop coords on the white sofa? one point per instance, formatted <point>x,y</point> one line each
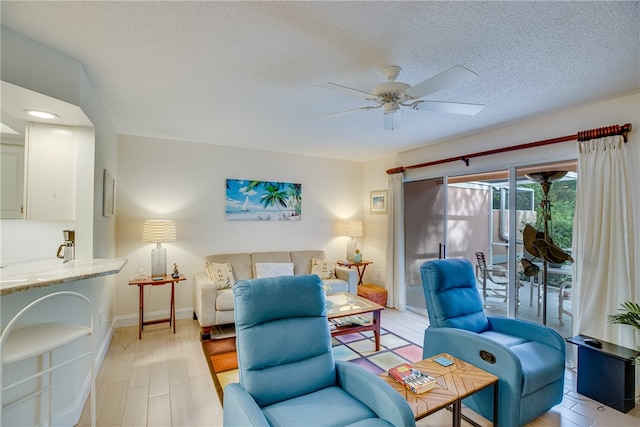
<point>213,306</point>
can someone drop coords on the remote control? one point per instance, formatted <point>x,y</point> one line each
<point>593,343</point>
<point>443,361</point>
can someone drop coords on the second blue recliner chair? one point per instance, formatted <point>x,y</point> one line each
<point>528,358</point>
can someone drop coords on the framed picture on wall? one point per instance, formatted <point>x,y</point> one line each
<point>108,195</point>
<point>378,202</point>
<point>249,200</point>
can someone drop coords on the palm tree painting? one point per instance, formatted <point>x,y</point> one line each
<point>263,201</point>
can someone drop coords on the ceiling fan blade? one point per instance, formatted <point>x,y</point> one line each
<point>452,77</point>
<point>392,120</point>
<point>348,90</point>
<point>342,113</point>
<point>448,107</point>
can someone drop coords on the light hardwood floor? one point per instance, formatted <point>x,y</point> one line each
<point>164,380</point>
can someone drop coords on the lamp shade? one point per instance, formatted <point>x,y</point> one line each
<point>349,228</point>
<point>159,230</point>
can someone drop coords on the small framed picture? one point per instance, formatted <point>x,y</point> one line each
<point>378,202</point>
<point>108,195</point>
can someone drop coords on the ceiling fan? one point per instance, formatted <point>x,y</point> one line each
<point>392,95</point>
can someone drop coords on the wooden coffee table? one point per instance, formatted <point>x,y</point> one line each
<point>454,383</point>
<point>344,304</point>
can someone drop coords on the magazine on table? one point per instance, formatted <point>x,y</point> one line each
<point>350,320</point>
<point>412,378</point>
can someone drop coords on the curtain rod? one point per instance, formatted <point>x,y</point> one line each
<point>580,136</point>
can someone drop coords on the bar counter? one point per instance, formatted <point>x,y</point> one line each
<point>17,276</point>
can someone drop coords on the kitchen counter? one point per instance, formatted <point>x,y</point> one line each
<point>20,276</point>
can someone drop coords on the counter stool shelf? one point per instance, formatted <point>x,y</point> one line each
<point>19,343</point>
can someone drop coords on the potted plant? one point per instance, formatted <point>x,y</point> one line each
<point>630,315</point>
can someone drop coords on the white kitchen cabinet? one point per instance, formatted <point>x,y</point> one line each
<point>11,181</point>
<point>51,172</point>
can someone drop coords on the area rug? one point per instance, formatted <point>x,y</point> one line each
<point>358,348</point>
<point>222,360</point>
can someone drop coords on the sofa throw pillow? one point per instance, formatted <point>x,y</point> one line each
<point>323,268</point>
<point>273,269</point>
<point>221,274</point>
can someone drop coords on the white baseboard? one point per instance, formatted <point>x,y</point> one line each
<point>132,319</point>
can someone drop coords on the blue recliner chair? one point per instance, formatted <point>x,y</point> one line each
<point>288,376</point>
<point>528,358</point>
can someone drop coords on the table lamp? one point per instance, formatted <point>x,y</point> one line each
<point>350,228</point>
<point>158,231</point>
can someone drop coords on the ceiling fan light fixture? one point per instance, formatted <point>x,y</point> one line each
<point>391,120</point>
<point>391,107</point>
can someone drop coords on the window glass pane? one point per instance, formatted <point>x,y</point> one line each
<point>561,200</point>
<point>480,211</point>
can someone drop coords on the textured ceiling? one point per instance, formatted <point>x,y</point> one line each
<point>244,73</point>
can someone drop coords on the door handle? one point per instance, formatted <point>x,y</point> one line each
<point>442,251</point>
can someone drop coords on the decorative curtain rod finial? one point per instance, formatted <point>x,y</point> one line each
<point>605,131</point>
<point>625,131</point>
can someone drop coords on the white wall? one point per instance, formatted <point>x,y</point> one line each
<point>375,225</point>
<point>186,182</point>
<point>620,110</point>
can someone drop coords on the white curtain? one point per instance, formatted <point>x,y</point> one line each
<point>395,243</point>
<point>603,241</point>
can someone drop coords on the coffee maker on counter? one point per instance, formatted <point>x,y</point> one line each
<point>67,250</point>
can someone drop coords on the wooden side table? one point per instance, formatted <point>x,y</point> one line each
<point>454,383</point>
<point>360,267</point>
<point>163,280</point>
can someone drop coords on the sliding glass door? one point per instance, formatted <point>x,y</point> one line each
<point>445,218</point>
<point>424,216</point>
<point>470,217</point>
